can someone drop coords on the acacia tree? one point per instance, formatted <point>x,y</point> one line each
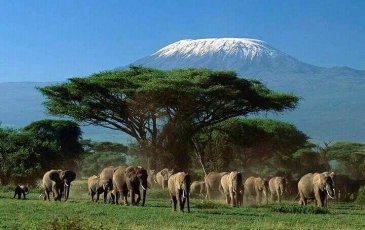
<point>350,158</point>
<point>250,144</point>
<point>162,108</point>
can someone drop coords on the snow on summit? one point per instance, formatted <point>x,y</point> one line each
<point>240,47</point>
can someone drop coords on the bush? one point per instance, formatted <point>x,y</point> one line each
<point>307,209</point>
<point>211,205</point>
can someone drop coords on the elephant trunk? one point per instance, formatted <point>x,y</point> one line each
<point>281,190</point>
<point>188,203</point>
<point>236,199</point>
<point>144,196</point>
<point>67,191</point>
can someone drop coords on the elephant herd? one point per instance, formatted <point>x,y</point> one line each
<point>312,186</point>
<point>114,182</point>
<point>127,181</point>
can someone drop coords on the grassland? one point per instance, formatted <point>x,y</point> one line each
<point>80,213</point>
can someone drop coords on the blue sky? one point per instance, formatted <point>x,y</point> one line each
<point>55,40</point>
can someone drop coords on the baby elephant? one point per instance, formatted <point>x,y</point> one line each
<point>19,190</point>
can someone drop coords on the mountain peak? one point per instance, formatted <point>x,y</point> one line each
<point>239,47</point>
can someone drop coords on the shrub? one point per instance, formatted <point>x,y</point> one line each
<point>211,205</point>
<point>299,209</point>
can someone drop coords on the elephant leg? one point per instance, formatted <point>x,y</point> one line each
<point>133,197</point>
<point>97,196</point>
<point>227,199</point>
<point>182,204</point>
<point>105,195</point>
<point>46,195</point>
<point>318,199</point>
<point>125,196</point>
<point>138,198</point>
<point>209,195</point>
<point>174,203</point>
<point>258,198</point>
<point>231,199</point>
<point>116,197</point>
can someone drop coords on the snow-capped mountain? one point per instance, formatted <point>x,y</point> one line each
<point>246,56</point>
<point>332,105</point>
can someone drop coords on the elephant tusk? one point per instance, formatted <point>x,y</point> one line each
<point>143,187</point>
<point>184,194</point>
<point>330,195</point>
<point>67,184</point>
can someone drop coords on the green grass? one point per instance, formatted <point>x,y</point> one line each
<point>80,213</point>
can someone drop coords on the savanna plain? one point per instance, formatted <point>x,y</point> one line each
<point>80,213</point>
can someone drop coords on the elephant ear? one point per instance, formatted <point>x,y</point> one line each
<point>332,175</point>
<point>179,179</point>
<point>55,175</point>
<point>68,175</point>
<point>130,172</point>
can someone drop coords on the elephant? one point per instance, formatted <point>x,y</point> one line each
<point>277,186</point>
<point>198,187</point>
<point>232,187</point>
<point>106,179</point>
<point>212,183</point>
<point>151,177</point>
<point>163,176</point>
<point>179,188</point>
<point>57,182</point>
<point>316,186</point>
<point>21,190</point>
<point>129,180</point>
<point>256,187</point>
<point>95,187</point>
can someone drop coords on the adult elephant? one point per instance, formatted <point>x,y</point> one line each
<point>212,183</point>
<point>106,179</point>
<point>163,176</point>
<point>232,187</point>
<point>256,187</point>
<point>277,187</point>
<point>57,182</point>
<point>316,186</point>
<point>129,180</point>
<point>151,177</point>
<point>179,188</point>
<point>95,187</point>
<point>198,188</point>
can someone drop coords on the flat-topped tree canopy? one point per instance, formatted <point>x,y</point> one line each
<point>150,104</point>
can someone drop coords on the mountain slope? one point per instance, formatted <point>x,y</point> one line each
<point>332,105</point>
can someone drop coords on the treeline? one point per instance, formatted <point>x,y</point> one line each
<point>26,154</point>
<point>186,119</point>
